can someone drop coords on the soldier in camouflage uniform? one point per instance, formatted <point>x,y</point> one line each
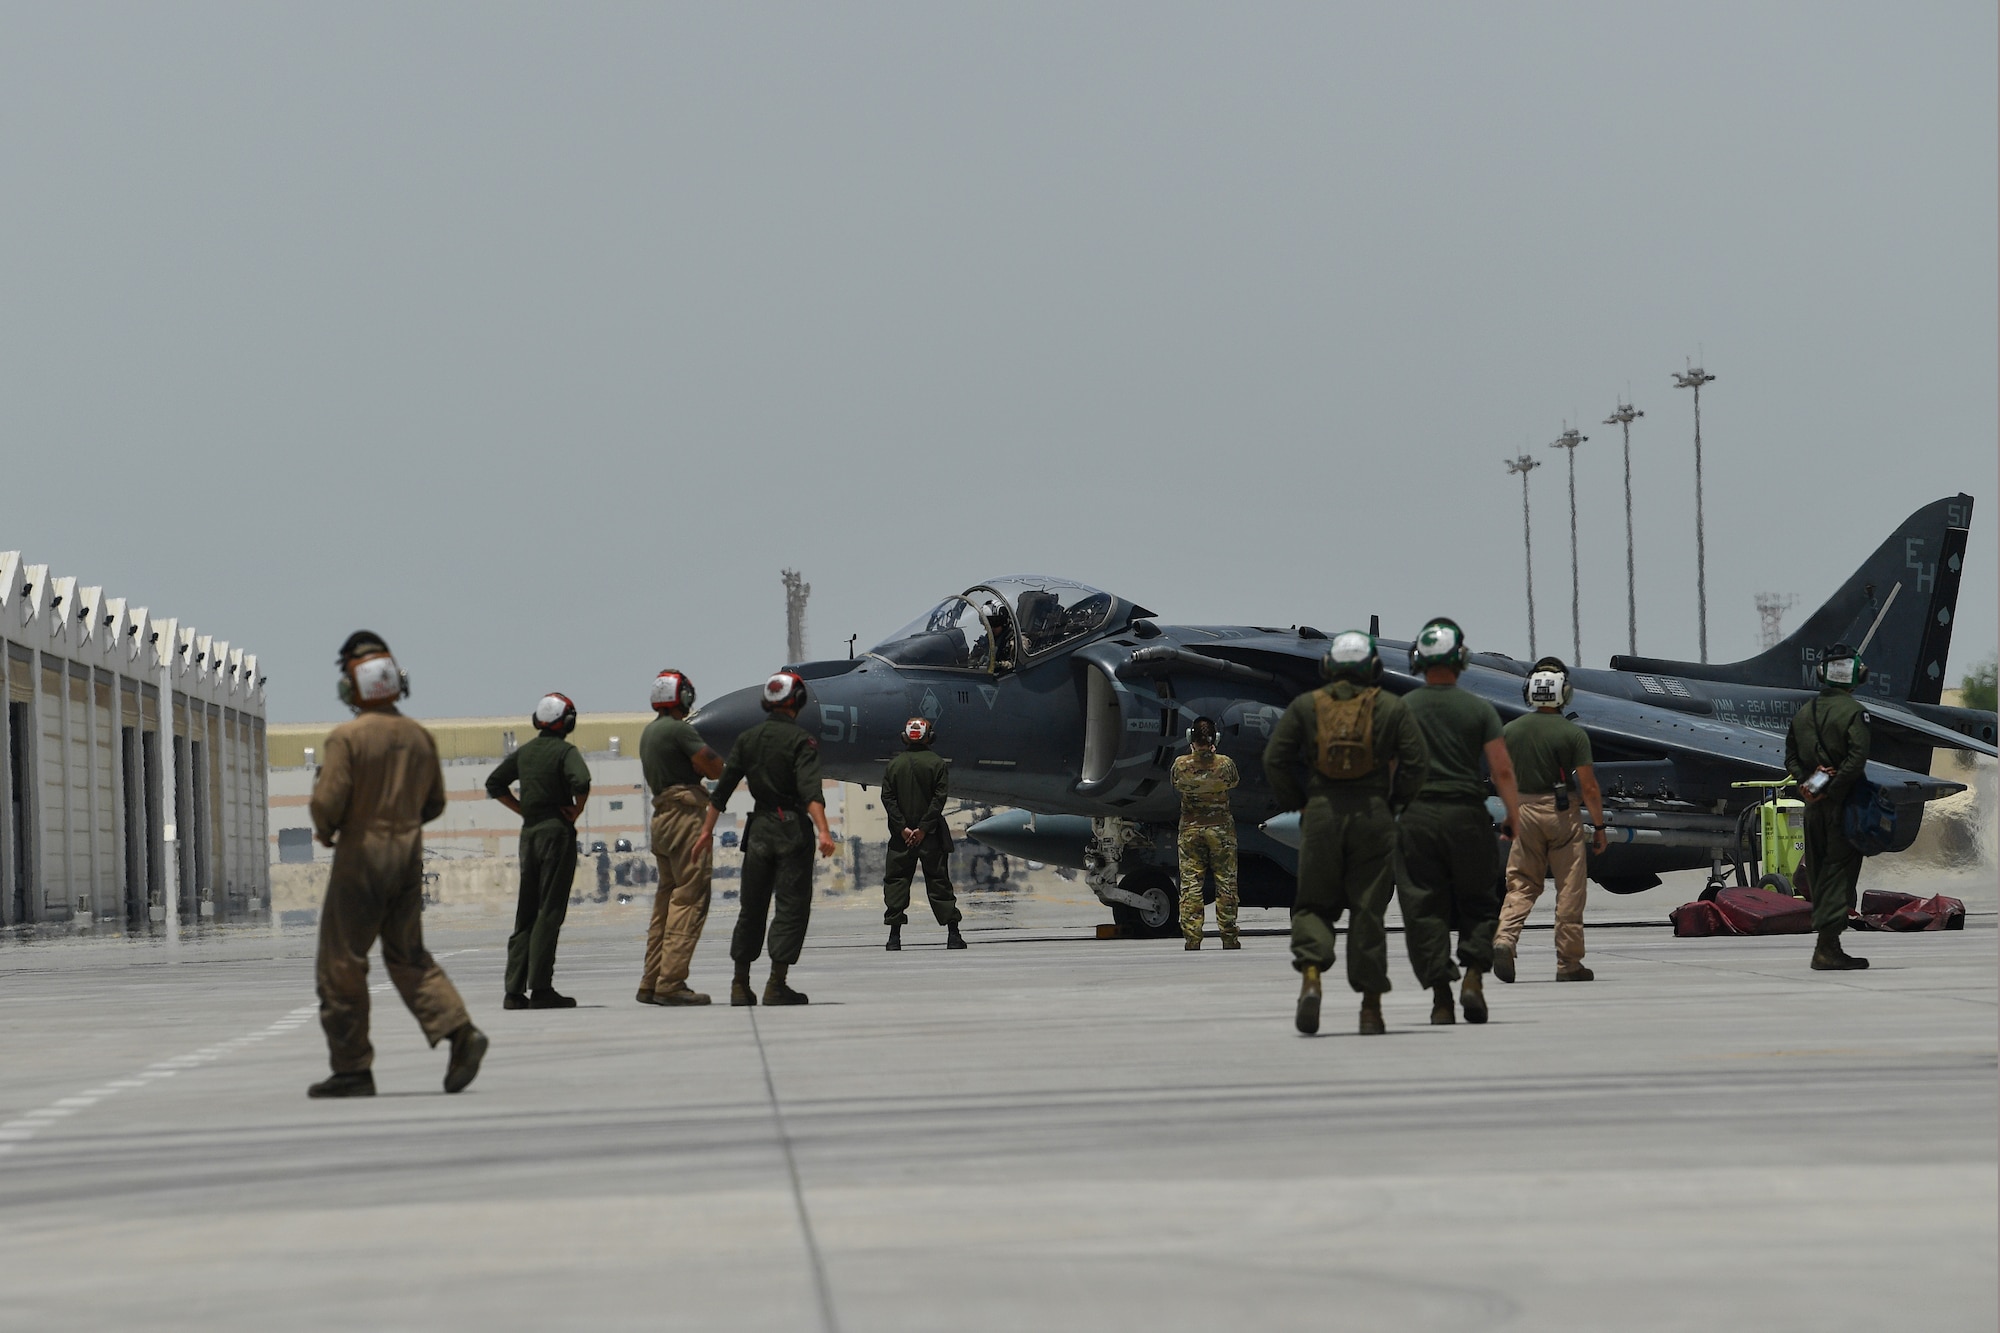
<point>1208,834</point>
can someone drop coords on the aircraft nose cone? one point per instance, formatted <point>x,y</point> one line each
<point>721,721</point>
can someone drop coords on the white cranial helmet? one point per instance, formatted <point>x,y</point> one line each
<point>377,679</point>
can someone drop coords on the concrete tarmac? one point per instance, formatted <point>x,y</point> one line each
<point>1045,1131</point>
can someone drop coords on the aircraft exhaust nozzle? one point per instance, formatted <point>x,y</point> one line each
<point>1057,840</point>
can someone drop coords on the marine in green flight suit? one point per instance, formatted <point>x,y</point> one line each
<point>555,782</point>
<point>914,789</point>
<point>1450,857</point>
<point>1365,759</point>
<point>1831,732</point>
<point>781,764</point>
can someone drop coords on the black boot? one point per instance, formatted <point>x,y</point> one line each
<point>514,1000</point>
<point>468,1048</point>
<point>952,939</point>
<point>360,1084</point>
<point>895,944</point>
<point>547,998</point>
<point>777,992</point>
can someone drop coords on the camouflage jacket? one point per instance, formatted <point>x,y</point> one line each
<point>1204,785</point>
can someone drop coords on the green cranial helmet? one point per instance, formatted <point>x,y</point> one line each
<point>1352,656</point>
<point>1440,643</point>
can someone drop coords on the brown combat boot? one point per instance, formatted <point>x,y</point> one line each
<point>1828,956</point>
<point>1503,964</point>
<point>776,992</point>
<point>1230,941</point>
<point>680,995</point>
<point>1191,942</point>
<point>1443,1012</point>
<point>644,996</point>
<point>1472,995</point>
<point>468,1048</point>
<point>1371,1014</point>
<point>1307,1018</point>
<point>740,994</point>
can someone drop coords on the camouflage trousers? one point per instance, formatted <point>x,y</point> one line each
<point>1210,851</point>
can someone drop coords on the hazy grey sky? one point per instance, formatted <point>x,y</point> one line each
<point>539,337</point>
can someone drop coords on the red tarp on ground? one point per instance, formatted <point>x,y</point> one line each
<point>1693,920</point>
<point>1762,912</point>
<point>1883,909</point>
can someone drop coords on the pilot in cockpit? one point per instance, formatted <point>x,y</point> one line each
<point>999,648</point>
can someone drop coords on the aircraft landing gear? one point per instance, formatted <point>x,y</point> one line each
<point>1160,916</point>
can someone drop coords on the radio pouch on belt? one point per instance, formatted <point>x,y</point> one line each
<point>1346,735</point>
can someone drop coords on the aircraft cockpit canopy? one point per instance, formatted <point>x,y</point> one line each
<point>1004,623</point>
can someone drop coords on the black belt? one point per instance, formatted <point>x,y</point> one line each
<point>782,812</point>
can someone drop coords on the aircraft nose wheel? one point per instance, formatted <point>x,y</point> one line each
<point>1161,916</point>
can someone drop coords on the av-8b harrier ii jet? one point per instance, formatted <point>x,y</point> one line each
<point>1069,704</point>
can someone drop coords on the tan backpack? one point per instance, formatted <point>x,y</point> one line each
<point>1346,734</point>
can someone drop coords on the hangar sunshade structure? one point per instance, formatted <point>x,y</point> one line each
<point>133,789</point>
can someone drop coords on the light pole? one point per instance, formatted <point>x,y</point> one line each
<point>1525,464</point>
<point>1567,442</point>
<point>1624,417</point>
<point>1694,379</point>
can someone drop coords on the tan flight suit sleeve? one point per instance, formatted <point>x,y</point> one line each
<point>333,788</point>
<point>434,799</point>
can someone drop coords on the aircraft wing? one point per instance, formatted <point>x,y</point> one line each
<point>1698,741</point>
<point>1888,714</point>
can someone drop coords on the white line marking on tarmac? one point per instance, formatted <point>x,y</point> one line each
<point>23,1128</point>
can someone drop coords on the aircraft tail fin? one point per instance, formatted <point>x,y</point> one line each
<point>1897,609</point>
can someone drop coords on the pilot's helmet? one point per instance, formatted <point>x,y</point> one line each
<point>1842,667</point>
<point>1548,684</point>
<point>785,689</point>
<point>672,689</point>
<point>1352,656</point>
<point>1440,643</point>
<point>918,731</point>
<point>555,714</point>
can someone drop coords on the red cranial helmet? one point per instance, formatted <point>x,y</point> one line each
<point>555,714</point>
<point>786,689</point>
<point>671,689</point>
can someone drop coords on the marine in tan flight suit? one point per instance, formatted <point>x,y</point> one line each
<point>380,784</point>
